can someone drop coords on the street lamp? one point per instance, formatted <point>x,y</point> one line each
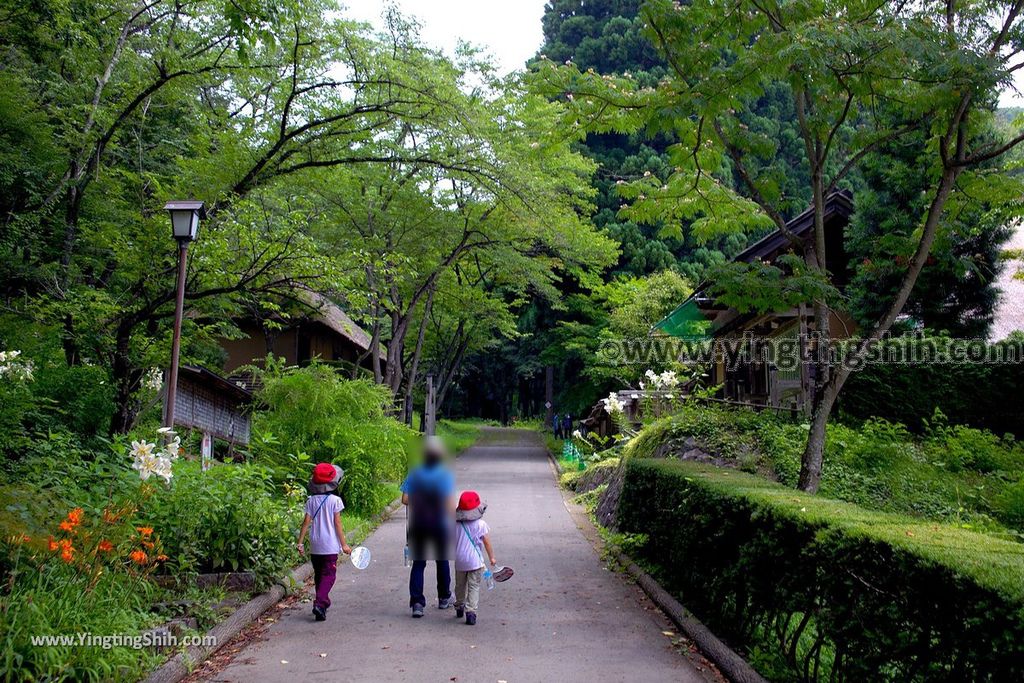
<point>185,216</point>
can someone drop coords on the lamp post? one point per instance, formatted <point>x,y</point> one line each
<point>185,217</point>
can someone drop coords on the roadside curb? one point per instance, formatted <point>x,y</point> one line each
<point>730,664</point>
<point>734,667</point>
<point>182,664</point>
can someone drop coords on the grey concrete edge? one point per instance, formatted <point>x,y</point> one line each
<point>182,664</point>
<point>732,665</point>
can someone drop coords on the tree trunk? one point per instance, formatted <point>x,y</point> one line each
<point>449,374</point>
<point>814,450</point>
<point>410,380</point>
<point>126,379</point>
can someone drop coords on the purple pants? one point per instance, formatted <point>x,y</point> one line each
<point>325,569</point>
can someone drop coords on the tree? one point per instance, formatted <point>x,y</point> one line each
<point>859,75</point>
<point>956,291</point>
<point>244,105</point>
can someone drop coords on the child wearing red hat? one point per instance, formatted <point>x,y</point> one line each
<point>326,534</point>
<point>469,560</point>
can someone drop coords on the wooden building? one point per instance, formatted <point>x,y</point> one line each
<point>323,331</point>
<point>759,382</point>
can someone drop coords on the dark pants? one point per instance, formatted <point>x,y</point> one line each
<point>444,579</point>
<point>325,569</point>
<point>429,542</point>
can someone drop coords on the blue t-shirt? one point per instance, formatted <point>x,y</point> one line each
<point>431,481</point>
<point>428,488</point>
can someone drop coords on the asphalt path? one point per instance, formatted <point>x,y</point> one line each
<point>563,616</point>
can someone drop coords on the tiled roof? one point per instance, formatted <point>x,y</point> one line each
<point>331,315</point>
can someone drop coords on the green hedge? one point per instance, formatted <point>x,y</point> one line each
<point>817,589</point>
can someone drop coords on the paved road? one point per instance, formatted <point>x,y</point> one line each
<point>563,617</point>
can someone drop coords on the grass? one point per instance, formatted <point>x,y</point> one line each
<point>458,435</point>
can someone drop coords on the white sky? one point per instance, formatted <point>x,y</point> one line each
<point>508,29</point>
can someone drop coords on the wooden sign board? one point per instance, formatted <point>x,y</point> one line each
<point>213,405</point>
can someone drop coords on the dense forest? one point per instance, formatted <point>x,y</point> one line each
<point>661,262</point>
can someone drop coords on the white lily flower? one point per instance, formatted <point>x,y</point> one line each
<point>142,448</point>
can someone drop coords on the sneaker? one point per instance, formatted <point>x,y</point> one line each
<point>445,603</point>
<point>417,611</point>
<point>471,618</point>
<point>459,612</point>
<point>319,613</point>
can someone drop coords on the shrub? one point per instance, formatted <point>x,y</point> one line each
<point>79,399</point>
<point>960,447</point>
<point>1010,504</point>
<point>16,402</point>
<point>224,519</point>
<point>314,415</point>
<point>825,588</point>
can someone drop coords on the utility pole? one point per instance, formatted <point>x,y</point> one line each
<point>430,408</point>
<point>549,393</point>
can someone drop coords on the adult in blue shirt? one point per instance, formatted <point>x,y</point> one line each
<point>429,494</point>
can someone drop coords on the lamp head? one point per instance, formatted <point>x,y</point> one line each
<point>185,216</point>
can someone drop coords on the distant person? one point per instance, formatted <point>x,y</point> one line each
<point>326,534</point>
<point>556,426</point>
<point>567,426</point>
<point>429,493</point>
<point>473,533</point>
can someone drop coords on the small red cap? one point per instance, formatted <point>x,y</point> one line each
<point>469,500</point>
<point>323,473</point>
